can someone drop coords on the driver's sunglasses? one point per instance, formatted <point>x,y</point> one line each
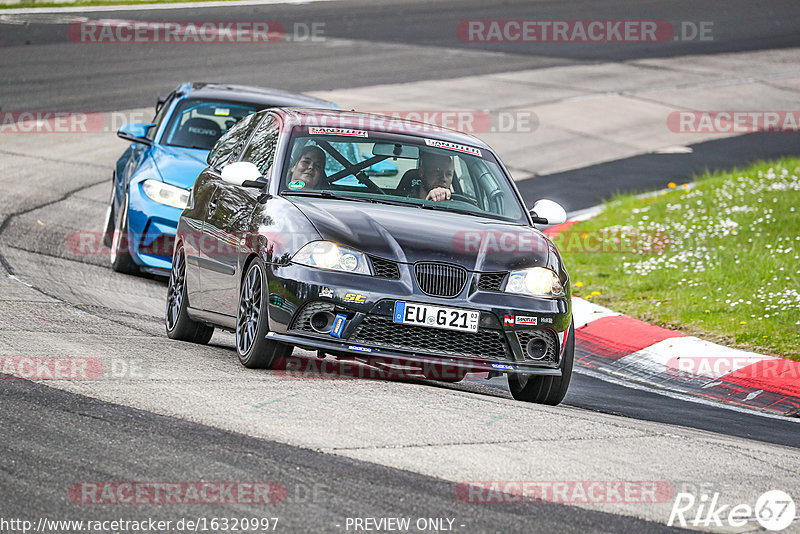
<point>439,170</point>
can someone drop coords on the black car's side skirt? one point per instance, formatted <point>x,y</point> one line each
<point>218,320</point>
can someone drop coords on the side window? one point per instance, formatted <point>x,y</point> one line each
<point>231,143</point>
<point>159,117</point>
<point>465,179</point>
<point>261,149</point>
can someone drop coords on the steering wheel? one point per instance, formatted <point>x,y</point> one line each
<point>463,198</point>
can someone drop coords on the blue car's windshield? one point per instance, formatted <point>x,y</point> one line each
<point>199,123</point>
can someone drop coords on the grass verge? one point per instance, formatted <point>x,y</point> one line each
<point>718,258</point>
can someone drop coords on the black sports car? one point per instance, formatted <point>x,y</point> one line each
<point>287,242</point>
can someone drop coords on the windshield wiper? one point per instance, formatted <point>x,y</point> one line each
<point>392,202</point>
<point>323,194</point>
<point>462,212</point>
<point>328,194</point>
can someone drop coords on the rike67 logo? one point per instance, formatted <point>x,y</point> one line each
<point>774,510</point>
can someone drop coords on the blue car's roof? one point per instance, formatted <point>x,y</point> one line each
<point>252,95</point>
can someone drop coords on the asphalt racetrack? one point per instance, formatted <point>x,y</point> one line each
<point>341,449</point>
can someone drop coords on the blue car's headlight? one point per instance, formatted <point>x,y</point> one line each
<point>537,281</point>
<point>166,194</point>
<point>328,255</point>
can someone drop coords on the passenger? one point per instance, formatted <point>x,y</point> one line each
<point>434,177</point>
<point>309,168</point>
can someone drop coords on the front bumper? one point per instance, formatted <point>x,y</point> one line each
<point>469,365</point>
<point>500,345</point>
<point>152,227</point>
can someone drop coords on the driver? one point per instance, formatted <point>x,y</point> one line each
<point>309,168</point>
<point>434,177</point>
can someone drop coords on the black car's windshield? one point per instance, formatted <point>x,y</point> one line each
<point>199,123</point>
<point>429,174</point>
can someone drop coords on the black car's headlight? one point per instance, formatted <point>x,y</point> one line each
<point>166,194</point>
<point>332,256</point>
<point>537,281</point>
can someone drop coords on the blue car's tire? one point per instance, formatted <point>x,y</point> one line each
<point>121,260</point>
<point>179,325</point>
<point>108,227</point>
<point>255,351</point>
<point>546,389</point>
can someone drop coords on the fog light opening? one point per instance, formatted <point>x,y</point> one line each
<point>536,348</point>
<point>322,322</point>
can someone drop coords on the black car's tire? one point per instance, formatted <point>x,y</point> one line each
<point>546,389</point>
<point>255,351</point>
<point>179,325</point>
<point>120,257</point>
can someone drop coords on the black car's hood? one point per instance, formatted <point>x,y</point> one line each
<point>410,234</point>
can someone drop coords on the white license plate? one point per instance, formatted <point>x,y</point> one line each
<point>436,316</point>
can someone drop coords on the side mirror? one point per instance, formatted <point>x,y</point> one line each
<point>243,174</point>
<point>135,132</point>
<point>548,212</point>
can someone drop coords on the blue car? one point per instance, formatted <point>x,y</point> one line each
<point>151,180</point>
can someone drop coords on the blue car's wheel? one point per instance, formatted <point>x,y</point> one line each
<point>179,325</point>
<point>121,260</point>
<point>252,323</point>
<point>546,389</point>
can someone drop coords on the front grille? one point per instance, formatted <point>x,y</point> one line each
<point>551,354</point>
<point>440,279</point>
<point>379,331</point>
<point>490,281</point>
<point>385,268</point>
<point>303,319</point>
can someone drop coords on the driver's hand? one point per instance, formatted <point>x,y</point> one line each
<point>438,193</point>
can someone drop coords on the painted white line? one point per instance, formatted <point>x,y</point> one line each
<point>584,312</point>
<point>149,7</point>
<point>673,394</point>
<point>13,277</point>
<point>677,149</point>
<point>586,214</point>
